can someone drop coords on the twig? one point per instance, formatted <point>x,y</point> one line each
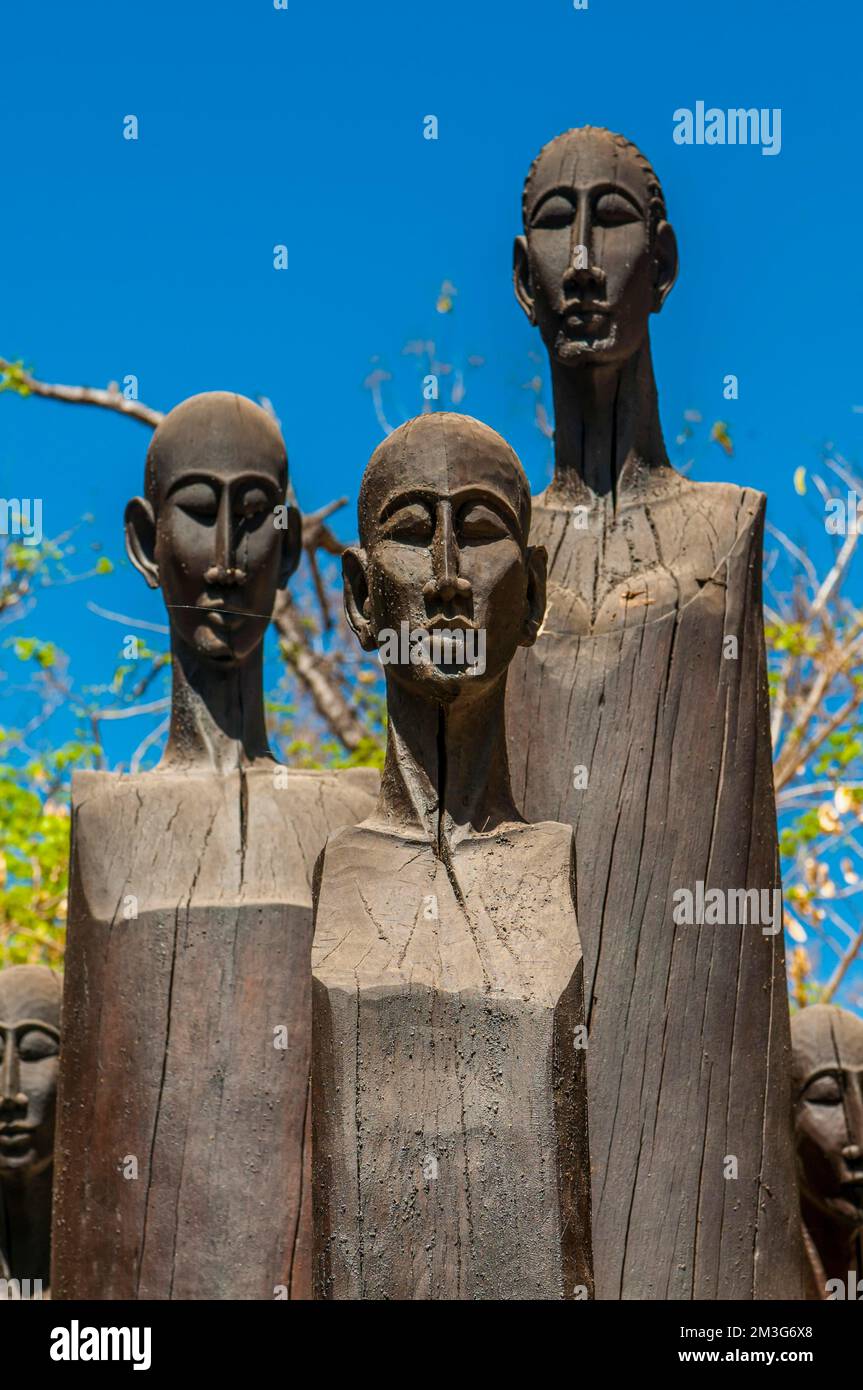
<point>842,968</point>
<point>111,398</point>
<point>129,712</point>
<point>146,743</point>
<point>129,622</point>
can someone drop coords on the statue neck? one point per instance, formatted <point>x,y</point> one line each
<point>217,717</point>
<point>607,434</point>
<point>837,1246</point>
<point>25,1225</point>
<point>446,772</point>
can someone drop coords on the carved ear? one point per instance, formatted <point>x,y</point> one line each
<point>521,277</point>
<point>357,602</point>
<point>664,263</point>
<point>537,565</point>
<point>140,526</point>
<point>292,546</point>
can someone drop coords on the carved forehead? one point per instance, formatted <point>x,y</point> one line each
<point>217,432</point>
<point>825,1036</point>
<point>587,155</point>
<point>30,991</point>
<point>441,454</point>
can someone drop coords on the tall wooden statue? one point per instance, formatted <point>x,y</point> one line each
<point>640,717</point>
<point>450,1133</point>
<point>29,1048</point>
<point>183,1090</point>
<point>828,1095</point>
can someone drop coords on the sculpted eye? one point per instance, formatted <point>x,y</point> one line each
<point>35,1045</point>
<point>824,1090</point>
<point>411,525</point>
<point>613,211</point>
<point>197,500</point>
<point>252,503</point>
<point>556,212</point>
<point>478,523</point>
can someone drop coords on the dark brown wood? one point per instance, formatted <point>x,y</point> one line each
<point>827,1044</point>
<point>29,1046</point>
<point>180,1151</point>
<point>183,1146</point>
<point>641,718</point>
<point>449,1103</point>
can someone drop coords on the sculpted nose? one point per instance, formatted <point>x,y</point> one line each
<point>582,272</point>
<point>446,582</point>
<point>224,533</point>
<point>11,1097</point>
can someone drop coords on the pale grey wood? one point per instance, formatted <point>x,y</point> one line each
<point>448,1083</point>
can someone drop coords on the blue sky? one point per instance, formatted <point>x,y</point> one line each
<point>304,127</point>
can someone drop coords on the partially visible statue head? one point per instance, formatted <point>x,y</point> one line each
<point>598,256</point>
<point>444,516</point>
<point>30,998</point>
<point>827,1069</point>
<point>212,530</point>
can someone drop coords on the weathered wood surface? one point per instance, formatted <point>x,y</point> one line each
<point>172,1018</point>
<point>450,1133</point>
<point>688,1057</point>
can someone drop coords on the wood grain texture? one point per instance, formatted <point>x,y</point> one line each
<point>688,1058</point>
<point>450,1128</point>
<point>171,1027</point>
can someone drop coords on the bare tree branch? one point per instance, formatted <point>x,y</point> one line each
<point>110,398</point>
<point>311,668</point>
<point>841,970</point>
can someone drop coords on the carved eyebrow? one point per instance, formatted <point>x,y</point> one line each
<point>416,497</point>
<point>468,496</point>
<point>596,191</point>
<point>213,481</point>
<point>31,1023</point>
<point>833,1072</point>
<point>464,497</point>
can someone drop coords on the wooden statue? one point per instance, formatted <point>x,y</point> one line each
<point>640,717</point>
<point>29,1047</point>
<point>183,1090</point>
<point>449,1120</point>
<point>827,1044</point>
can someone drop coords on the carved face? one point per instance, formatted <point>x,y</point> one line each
<point>29,1063</point>
<point>827,1047</point>
<point>589,270</point>
<point>213,532</point>
<point>444,516</point>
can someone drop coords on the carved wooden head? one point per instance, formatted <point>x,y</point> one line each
<point>30,998</point>
<point>444,515</point>
<point>827,1067</point>
<point>213,531</point>
<point>597,256</point>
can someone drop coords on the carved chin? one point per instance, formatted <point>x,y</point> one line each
<point>18,1162</point>
<point>568,348</point>
<point>224,645</point>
